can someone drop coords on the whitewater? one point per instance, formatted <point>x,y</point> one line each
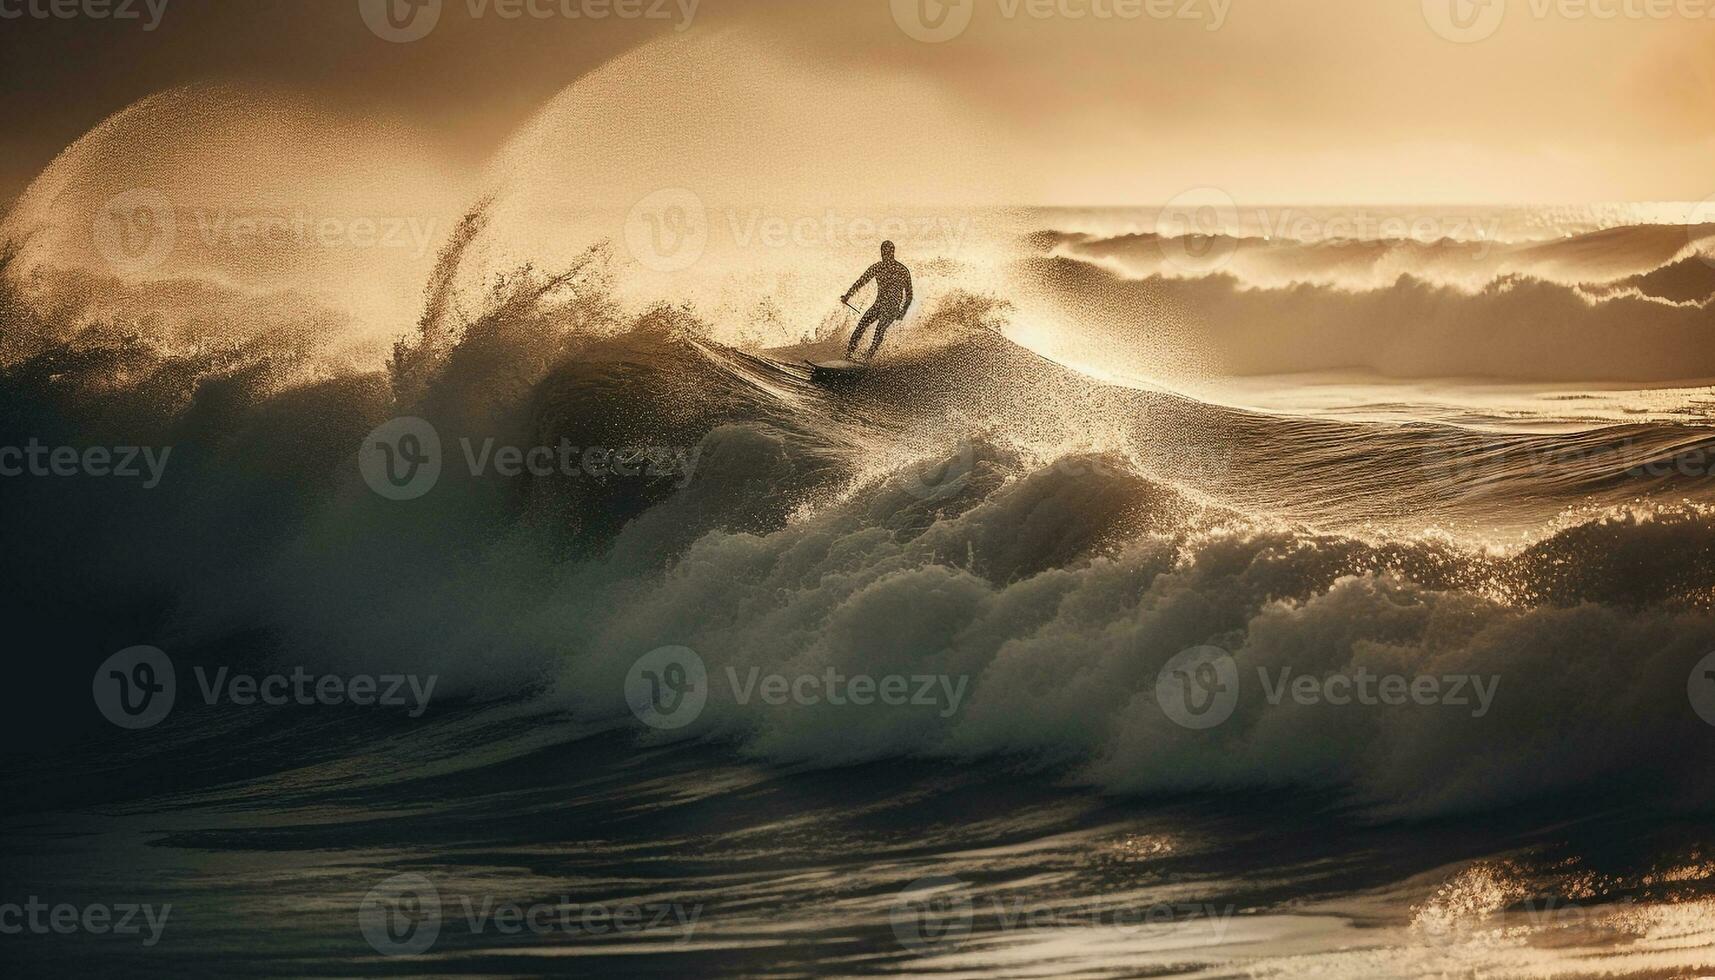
<point>1086,454</point>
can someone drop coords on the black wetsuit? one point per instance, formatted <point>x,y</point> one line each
<point>892,298</point>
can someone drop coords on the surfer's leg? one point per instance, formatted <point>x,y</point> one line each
<point>857,335</point>
<point>881,326</point>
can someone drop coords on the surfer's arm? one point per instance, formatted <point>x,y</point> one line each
<point>905,305</point>
<point>868,274</point>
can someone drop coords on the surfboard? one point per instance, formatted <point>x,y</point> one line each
<point>833,371</point>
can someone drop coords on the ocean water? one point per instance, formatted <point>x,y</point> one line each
<point>1119,463</point>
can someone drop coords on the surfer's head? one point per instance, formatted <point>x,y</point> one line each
<point>887,250</point>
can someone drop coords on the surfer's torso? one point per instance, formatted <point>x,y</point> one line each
<point>892,283</point>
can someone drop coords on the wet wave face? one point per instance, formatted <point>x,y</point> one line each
<point>1131,589</point>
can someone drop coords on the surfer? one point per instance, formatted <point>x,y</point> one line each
<point>892,299</point>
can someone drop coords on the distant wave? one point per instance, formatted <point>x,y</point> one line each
<point>1689,280</point>
<point>1513,327</point>
<point>1590,257</point>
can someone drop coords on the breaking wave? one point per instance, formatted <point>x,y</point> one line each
<point>970,510</point>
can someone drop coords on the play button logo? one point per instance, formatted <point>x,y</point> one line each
<point>1465,21</point>
<point>933,21</point>
<point>400,21</point>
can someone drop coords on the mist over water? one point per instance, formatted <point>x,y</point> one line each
<point>1072,465</point>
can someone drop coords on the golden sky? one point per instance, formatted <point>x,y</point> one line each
<point>1101,101</point>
